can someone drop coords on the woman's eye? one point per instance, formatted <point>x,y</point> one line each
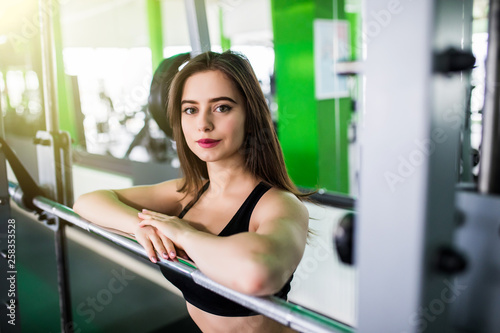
<point>189,111</point>
<point>223,108</point>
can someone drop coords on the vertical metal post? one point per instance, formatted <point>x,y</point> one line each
<point>49,76</point>
<point>410,144</point>
<point>57,174</point>
<point>466,151</point>
<point>198,26</point>
<point>9,305</point>
<point>63,278</point>
<point>489,176</point>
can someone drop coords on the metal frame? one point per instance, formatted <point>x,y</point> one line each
<point>466,149</point>
<point>410,153</point>
<point>198,26</point>
<point>400,238</point>
<point>489,176</point>
<point>7,260</point>
<point>476,293</point>
<point>478,289</point>
<point>54,157</point>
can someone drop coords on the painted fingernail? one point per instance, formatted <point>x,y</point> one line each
<point>153,259</point>
<point>172,254</point>
<point>165,255</point>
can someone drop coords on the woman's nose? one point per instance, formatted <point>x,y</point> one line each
<point>205,122</point>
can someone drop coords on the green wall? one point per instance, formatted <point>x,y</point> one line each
<point>65,107</point>
<point>225,42</point>
<point>297,116</point>
<point>313,133</point>
<point>153,9</point>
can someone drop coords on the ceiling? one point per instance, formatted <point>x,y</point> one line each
<point>123,23</point>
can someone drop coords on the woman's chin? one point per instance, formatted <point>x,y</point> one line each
<point>207,157</point>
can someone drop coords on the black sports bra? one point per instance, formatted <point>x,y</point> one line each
<point>205,299</point>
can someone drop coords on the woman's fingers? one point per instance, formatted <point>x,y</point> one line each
<point>149,214</point>
<point>183,254</point>
<point>150,220</point>
<point>155,242</point>
<point>169,246</point>
<point>167,229</point>
<point>144,216</point>
<point>147,221</point>
<point>146,243</point>
<point>159,245</point>
<point>163,227</point>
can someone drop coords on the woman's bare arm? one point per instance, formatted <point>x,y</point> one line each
<point>103,208</point>
<point>256,263</point>
<point>116,210</point>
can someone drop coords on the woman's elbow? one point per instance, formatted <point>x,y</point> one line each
<point>86,202</point>
<point>77,205</point>
<point>260,281</point>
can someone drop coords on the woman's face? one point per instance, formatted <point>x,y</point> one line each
<point>213,117</point>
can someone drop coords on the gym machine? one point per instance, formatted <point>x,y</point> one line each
<point>50,199</point>
<point>425,244</point>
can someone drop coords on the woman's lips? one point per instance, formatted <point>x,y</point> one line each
<point>207,143</point>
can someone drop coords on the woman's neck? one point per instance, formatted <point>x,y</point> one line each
<point>224,178</point>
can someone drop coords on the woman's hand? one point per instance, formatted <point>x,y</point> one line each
<point>167,229</point>
<point>170,226</point>
<point>152,240</point>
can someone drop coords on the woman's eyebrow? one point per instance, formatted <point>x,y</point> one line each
<point>187,101</point>
<point>223,98</point>
<point>212,100</point>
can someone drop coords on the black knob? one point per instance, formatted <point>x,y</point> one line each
<point>453,60</point>
<point>42,216</point>
<point>42,142</point>
<point>475,155</point>
<point>449,261</point>
<point>344,239</point>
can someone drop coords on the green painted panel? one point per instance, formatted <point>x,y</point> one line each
<point>225,42</point>
<point>294,63</point>
<point>64,95</point>
<point>355,35</point>
<point>335,116</point>
<point>155,31</point>
<point>313,134</point>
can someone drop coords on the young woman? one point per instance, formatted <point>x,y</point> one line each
<point>235,213</point>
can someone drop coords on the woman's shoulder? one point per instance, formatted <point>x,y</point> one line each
<point>279,203</point>
<point>275,192</point>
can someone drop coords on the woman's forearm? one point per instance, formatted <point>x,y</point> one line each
<point>247,262</point>
<point>255,263</point>
<point>104,208</point>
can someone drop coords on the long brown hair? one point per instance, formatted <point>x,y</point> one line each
<point>261,149</point>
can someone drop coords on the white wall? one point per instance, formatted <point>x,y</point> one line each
<point>321,282</point>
